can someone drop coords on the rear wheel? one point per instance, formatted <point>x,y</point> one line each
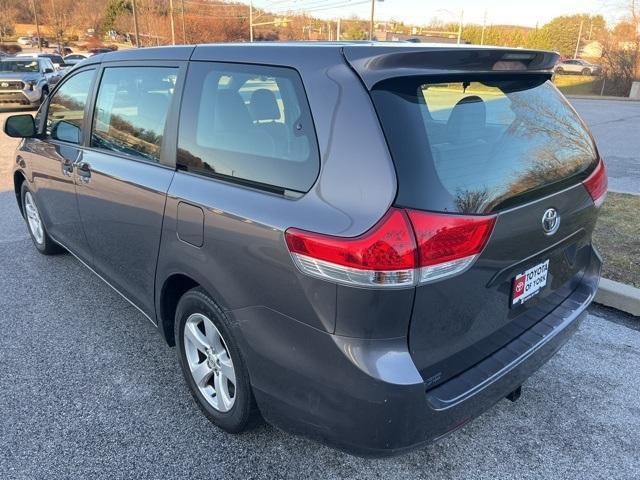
<point>559,70</point>
<point>586,71</point>
<point>37,230</point>
<point>212,363</point>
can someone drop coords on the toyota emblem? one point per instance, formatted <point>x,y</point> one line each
<point>4,84</point>
<point>550,221</point>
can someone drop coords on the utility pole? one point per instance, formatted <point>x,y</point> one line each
<point>373,8</point>
<point>251,21</point>
<point>484,26</point>
<point>338,30</point>
<point>184,30</point>
<point>460,27</point>
<point>173,28</point>
<point>135,23</point>
<point>579,38</point>
<point>35,17</point>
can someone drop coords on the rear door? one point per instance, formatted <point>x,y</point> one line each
<point>126,171</point>
<point>489,146</point>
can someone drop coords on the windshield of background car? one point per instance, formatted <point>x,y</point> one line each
<point>477,145</point>
<point>19,66</point>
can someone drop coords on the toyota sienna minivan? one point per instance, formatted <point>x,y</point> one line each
<point>367,244</point>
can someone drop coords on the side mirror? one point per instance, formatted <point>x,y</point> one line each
<point>20,126</point>
<point>65,131</point>
<point>48,70</point>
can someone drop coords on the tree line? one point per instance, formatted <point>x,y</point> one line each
<point>201,21</point>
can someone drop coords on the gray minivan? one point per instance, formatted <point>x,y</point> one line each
<point>368,244</point>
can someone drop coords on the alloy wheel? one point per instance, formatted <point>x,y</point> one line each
<point>209,362</point>
<point>33,218</point>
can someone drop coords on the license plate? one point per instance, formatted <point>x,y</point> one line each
<point>529,283</point>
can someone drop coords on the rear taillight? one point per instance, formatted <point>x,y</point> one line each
<point>405,248</point>
<point>448,244</point>
<point>383,256</point>
<point>596,184</point>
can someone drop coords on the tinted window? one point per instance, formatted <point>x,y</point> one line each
<point>131,110</point>
<point>479,146</point>
<point>248,122</point>
<point>65,115</point>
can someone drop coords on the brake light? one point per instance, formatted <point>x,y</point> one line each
<point>383,256</point>
<point>448,244</point>
<point>405,248</point>
<point>597,183</point>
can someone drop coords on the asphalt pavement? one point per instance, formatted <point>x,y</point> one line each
<point>615,124</point>
<point>88,389</point>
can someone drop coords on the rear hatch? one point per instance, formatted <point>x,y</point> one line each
<point>483,134</point>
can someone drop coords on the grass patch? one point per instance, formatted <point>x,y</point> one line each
<point>617,236</point>
<point>578,84</point>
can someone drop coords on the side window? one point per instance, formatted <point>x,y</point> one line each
<point>131,110</point>
<point>248,122</point>
<point>65,114</point>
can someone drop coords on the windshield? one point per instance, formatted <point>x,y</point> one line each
<point>483,144</point>
<point>19,65</point>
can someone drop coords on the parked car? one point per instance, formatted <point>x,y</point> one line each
<point>97,51</point>
<point>43,42</point>
<point>75,58</point>
<point>26,81</point>
<point>578,66</point>
<point>363,243</point>
<point>24,41</point>
<point>57,60</point>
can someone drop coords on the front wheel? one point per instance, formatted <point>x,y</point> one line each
<point>37,230</point>
<point>586,71</point>
<point>211,362</point>
<point>559,70</point>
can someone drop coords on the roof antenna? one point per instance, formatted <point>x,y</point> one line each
<point>464,86</point>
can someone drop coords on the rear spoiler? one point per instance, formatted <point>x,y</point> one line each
<point>375,63</point>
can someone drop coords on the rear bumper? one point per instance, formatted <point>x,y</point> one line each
<point>366,396</point>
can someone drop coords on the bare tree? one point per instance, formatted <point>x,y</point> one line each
<point>621,55</point>
<point>8,16</point>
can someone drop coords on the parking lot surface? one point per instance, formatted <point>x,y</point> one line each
<point>616,126</point>
<point>89,389</point>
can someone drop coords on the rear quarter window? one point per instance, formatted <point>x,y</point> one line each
<point>249,124</point>
<point>481,145</point>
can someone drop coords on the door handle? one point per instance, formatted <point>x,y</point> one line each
<point>84,171</point>
<point>67,167</point>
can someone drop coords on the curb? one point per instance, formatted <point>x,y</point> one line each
<point>619,296</point>
<point>605,97</point>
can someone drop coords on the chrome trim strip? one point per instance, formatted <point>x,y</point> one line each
<point>105,281</point>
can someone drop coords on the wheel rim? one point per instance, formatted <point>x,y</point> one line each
<point>209,362</point>
<point>33,218</point>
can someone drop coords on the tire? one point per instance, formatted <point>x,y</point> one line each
<point>231,409</point>
<point>38,232</point>
<point>586,71</point>
<point>559,70</point>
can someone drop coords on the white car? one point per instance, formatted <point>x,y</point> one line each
<point>24,41</point>
<point>74,58</point>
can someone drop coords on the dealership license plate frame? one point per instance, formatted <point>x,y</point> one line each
<point>529,283</point>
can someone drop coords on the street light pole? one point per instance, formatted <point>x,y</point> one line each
<point>135,23</point>
<point>173,28</point>
<point>460,27</point>
<point>35,17</point>
<point>579,38</point>
<point>251,21</point>
<point>184,30</point>
<point>373,8</point>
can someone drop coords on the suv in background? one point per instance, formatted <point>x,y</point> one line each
<point>578,67</point>
<point>369,244</point>
<point>26,81</point>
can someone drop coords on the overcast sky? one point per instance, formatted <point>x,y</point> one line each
<point>514,12</point>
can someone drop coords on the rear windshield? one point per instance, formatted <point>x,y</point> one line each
<point>481,145</point>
